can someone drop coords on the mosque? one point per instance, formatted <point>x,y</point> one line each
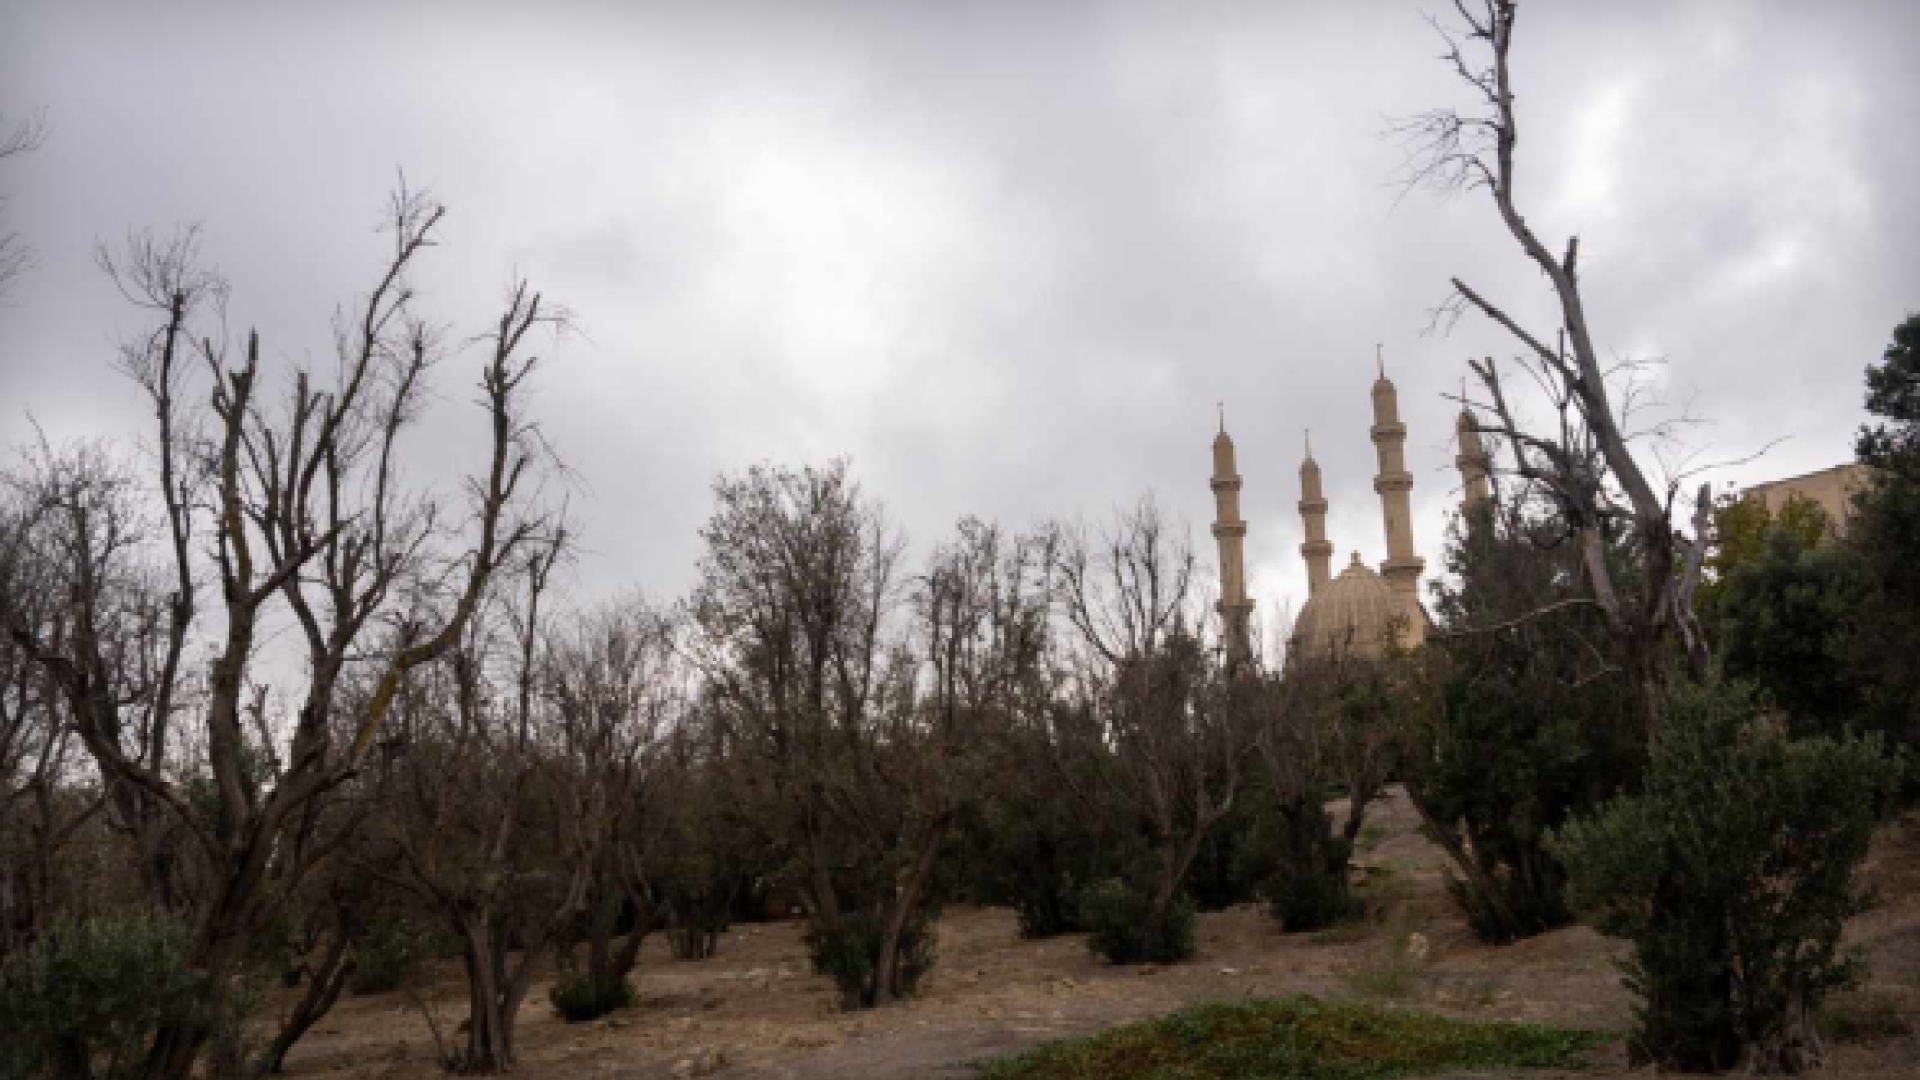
<point>1363,611</point>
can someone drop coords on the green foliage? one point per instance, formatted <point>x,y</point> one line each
<point>1116,917</point>
<point>90,993</point>
<point>1788,625</point>
<point>1740,529</point>
<point>1885,533</point>
<point>1297,1038</point>
<point>1531,722</point>
<point>1394,974</point>
<point>1309,889</point>
<point>850,954</point>
<point>1235,861</point>
<point>1864,1017</point>
<point>1033,846</point>
<point>1731,871</point>
<point>578,997</point>
<point>392,949</point>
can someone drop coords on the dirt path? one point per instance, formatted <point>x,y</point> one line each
<point>759,1007</point>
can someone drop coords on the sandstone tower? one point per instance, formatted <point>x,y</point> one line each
<point>1395,486</point>
<point>1313,511</point>
<point>1230,532</point>
<point>1474,464</point>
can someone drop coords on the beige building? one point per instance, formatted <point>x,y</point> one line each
<point>1364,610</point>
<point>1832,489</point>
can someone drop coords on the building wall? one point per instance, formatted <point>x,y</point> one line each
<point>1831,488</point>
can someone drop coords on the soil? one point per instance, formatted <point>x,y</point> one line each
<point>756,1011</point>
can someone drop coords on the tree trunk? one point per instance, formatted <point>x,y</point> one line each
<point>887,986</point>
<point>323,990</point>
<point>488,1049</point>
<point>1795,1048</point>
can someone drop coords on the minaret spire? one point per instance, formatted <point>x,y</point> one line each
<point>1230,533</point>
<point>1313,510</point>
<point>1395,486</point>
<point>1473,461</point>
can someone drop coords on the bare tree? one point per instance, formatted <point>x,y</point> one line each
<point>41,808</point>
<point>850,715</point>
<point>1585,461</point>
<point>798,580</point>
<point>977,645</point>
<point>16,139</point>
<point>299,505</point>
<point>1179,738</point>
<point>619,693</point>
<point>493,826</point>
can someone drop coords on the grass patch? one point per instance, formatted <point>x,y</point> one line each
<point>1862,1017</point>
<point>1370,836</point>
<point>1296,1037</point>
<point>1397,974</point>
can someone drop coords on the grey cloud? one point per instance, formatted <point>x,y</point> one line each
<point>1007,256</point>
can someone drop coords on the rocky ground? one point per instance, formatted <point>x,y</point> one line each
<point>756,1011</point>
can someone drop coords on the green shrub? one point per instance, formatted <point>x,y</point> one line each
<point>692,942</point>
<point>1309,901</point>
<point>87,998</point>
<point>579,997</point>
<point>392,949</point>
<point>1115,916</point>
<point>850,953</point>
<point>1297,1037</point>
<point>1863,1017</point>
<point>1046,906</point>
<point>1530,723</point>
<point>1731,871</point>
<point>1309,889</point>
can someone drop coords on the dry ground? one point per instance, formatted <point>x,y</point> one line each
<point>759,1007</point>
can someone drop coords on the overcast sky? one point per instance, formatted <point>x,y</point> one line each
<point>1005,256</point>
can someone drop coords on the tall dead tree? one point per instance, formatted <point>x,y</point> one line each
<point>799,579</point>
<point>618,692</point>
<point>300,506</point>
<point>16,139</point>
<point>1584,461</point>
<point>1180,738</point>
<point>497,824</point>
<point>976,647</point>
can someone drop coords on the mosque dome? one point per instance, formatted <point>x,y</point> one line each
<point>1355,614</point>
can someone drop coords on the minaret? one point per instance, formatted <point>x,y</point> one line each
<point>1395,485</point>
<point>1236,611</point>
<point>1313,510</point>
<point>1473,462</point>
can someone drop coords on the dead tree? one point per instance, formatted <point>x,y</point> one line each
<point>618,692</point>
<point>300,505</point>
<point>40,809</point>
<point>76,580</point>
<point>494,825</point>
<point>19,138</point>
<point>976,646</point>
<point>797,584</point>
<point>1586,462</point>
<point>1179,739</point>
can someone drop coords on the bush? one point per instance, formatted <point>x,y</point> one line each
<point>87,998</point>
<point>1115,916</point>
<point>1234,861</point>
<point>392,949</point>
<point>1309,890</point>
<point>1297,1036</point>
<point>1732,871</point>
<point>579,997</point>
<point>1531,722</point>
<point>850,953</point>
<point>693,941</point>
